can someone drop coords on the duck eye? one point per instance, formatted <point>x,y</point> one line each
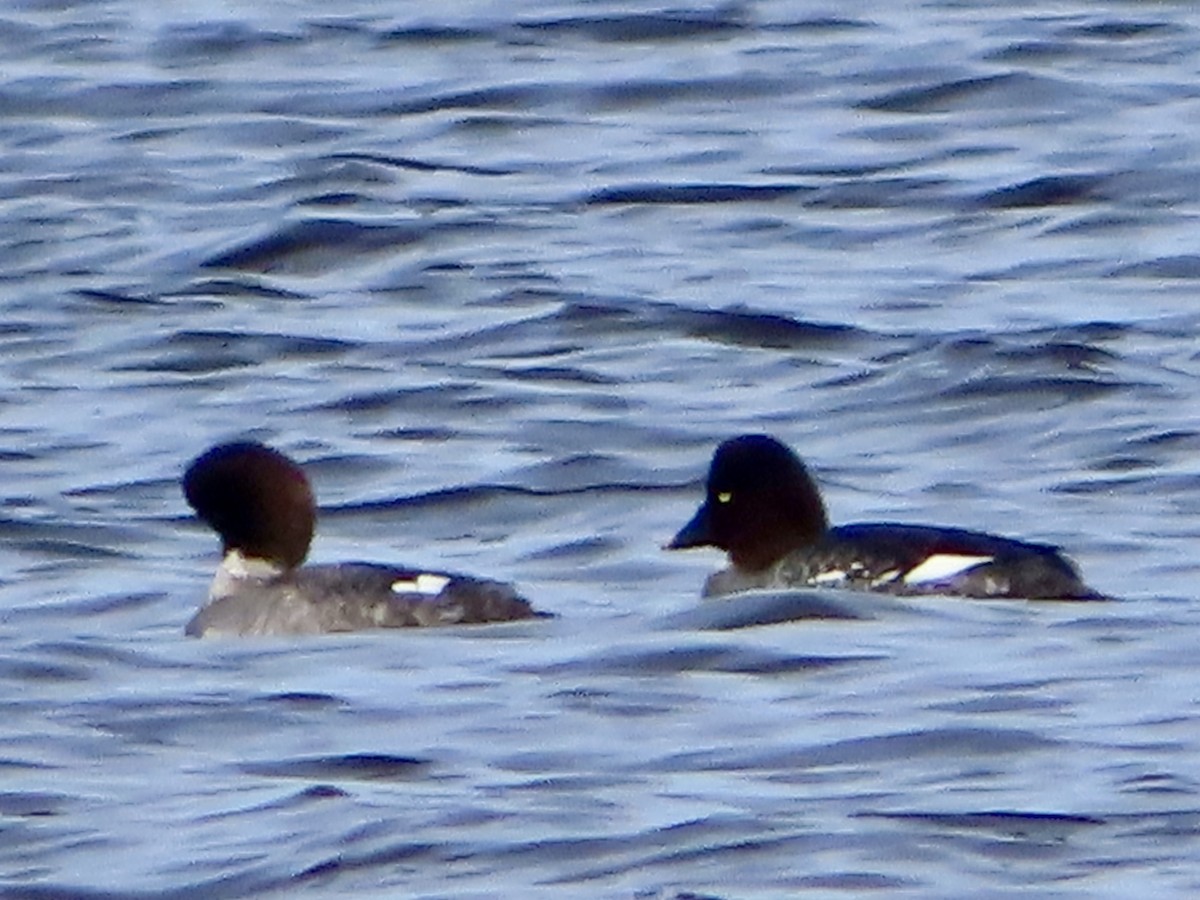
<point>724,497</point>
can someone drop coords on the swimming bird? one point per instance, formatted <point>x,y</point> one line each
<point>764,510</point>
<point>261,504</point>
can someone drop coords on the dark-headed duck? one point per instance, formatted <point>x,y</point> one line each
<point>762,507</point>
<point>262,506</point>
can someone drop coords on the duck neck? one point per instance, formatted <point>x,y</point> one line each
<point>237,569</point>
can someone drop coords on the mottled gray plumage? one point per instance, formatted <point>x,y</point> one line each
<point>262,506</point>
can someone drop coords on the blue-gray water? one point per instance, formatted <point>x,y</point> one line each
<point>502,274</point>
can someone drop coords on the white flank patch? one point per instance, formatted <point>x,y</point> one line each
<point>942,566</point>
<point>424,583</point>
<point>831,577</point>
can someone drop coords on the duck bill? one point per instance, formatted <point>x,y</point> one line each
<point>696,533</point>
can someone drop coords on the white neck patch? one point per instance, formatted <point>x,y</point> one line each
<point>943,566</point>
<point>236,568</point>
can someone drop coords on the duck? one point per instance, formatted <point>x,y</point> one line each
<point>262,506</point>
<point>764,509</point>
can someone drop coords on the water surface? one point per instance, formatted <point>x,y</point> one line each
<point>501,276</point>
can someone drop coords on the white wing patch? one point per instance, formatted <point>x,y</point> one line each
<point>942,566</point>
<point>425,583</point>
<point>833,576</point>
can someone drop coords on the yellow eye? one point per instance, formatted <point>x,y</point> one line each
<point>724,497</point>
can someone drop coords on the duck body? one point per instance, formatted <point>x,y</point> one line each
<point>350,597</point>
<point>763,508</point>
<point>893,558</point>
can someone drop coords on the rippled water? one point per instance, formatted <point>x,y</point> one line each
<point>502,275</point>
